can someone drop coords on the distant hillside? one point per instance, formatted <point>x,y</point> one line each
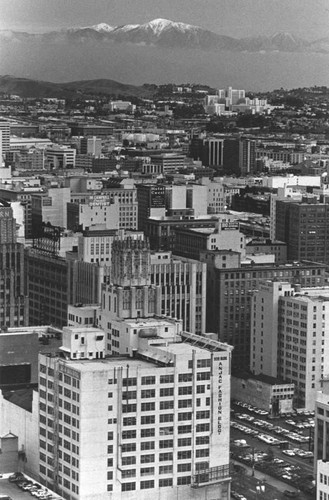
<point>36,88</point>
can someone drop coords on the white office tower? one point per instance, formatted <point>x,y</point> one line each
<point>151,422</point>
<point>290,336</point>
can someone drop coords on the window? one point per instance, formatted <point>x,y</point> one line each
<point>183,480</point>
<point>147,432</point>
<point>200,389</point>
<point>166,391</point>
<point>148,380</point>
<point>129,395</point>
<point>166,417</point>
<point>202,428</point>
<point>128,473</point>
<point>166,443</point>
<point>166,379</point>
<point>185,377</point>
<point>128,486</point>
<point>184,403</point>
<point>127,447</point>
<point>164,457</point>
<point>147,419</point>
<point>128,460</point>
<point>184,454</point>
<point>184,416</point>
<point>202,440</point>
<point>148,406</point>
<point>185,390</point>
<point>147,459</point>
<point>147,445</point>
<point>148,393</point>
<point>129,421</point>
<point>184,467</point>
<point>128,382</point>
<point>147,471</point>
<point>202,453</point>
<point>167,405</point>
<point>203,414</point>
<point>184,442</point>
<point>131,434</point>
<point>165,482</point>
<point>184,429</point>
<point>145,485</point>
<point>129,408</point>
<point>203,376</point>
<point>165,431</point>
<point>203,363</point>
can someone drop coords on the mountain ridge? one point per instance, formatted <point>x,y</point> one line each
<point>172,34</point>
<point>26,87</point>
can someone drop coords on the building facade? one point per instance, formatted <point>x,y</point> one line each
<point>138,409</point>
<point>229,314</point>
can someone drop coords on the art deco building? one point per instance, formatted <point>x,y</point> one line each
<point>139,409</point>
<point>13,301</point>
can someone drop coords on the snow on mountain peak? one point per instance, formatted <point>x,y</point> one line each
<point>159,25</point>
<point>102,27</point>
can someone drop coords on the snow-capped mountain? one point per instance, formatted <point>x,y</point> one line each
<point>171,34</point>
<point>102,28</point>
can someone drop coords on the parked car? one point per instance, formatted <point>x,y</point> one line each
<point>17,476</point>
<point>290,494</point>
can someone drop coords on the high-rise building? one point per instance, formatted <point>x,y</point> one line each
<point>91,146</point>
<point>54,282</point>
<point>50,207</point>
<point>208,150</point>
<point>151,203</point>
<point>289,336</point>
<point>213,152</point>
<point>5,136</point>
<point>183,289</point>
<point>321,444</point>
<point>232,286</point>
<point>247,156</point>
<point>231,156</point>
<point>149,420</point>
<point>13,299</point>
<point>304,226</point>
<point>125,192</point>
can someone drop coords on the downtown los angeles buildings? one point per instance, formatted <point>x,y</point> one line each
<point>135,404</point>
<point>151,420</point>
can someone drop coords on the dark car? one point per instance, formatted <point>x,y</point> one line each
<point>17,476</point>
<point>290,494</point>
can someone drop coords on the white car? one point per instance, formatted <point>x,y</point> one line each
<point>290,453</point>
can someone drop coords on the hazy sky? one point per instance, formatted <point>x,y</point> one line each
<point>306,18</point>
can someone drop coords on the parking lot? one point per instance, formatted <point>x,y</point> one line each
<point>14,492</point>
<point>280,447</point>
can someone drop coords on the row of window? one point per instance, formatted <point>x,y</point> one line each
<point>151,484</point>
<point>169,379</point>
<point>150,445</point>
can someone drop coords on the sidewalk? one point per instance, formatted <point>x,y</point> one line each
<point>261,476</point>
